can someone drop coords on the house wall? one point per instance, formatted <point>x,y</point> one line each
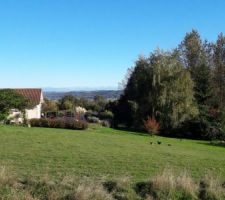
<point>16,116</point>
<point>34,113</point>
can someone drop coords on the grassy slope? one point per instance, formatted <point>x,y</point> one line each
<point>103,152</point>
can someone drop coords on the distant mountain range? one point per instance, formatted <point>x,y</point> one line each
<point>107,94</point>
<point>69,89</point>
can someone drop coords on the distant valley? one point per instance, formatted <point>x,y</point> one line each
<point>107,94</point>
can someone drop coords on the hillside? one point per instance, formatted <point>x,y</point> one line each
<point>103,152</point>
<point>107,94</point>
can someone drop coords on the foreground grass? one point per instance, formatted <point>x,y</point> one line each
<point>103,152</point>
<point>165,186</point>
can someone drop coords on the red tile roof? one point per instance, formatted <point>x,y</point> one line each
<point>34,95</point>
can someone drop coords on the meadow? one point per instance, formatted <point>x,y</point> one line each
<point>100,152</point>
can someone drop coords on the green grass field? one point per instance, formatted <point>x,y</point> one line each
<point>103,152</point>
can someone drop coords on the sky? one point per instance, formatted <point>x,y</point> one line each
<point>92,43</point>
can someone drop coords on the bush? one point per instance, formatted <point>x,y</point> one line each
<point>34,122</point>
<point>207,126</point>
<point>59,123</point>
<point>43,122</point>
<point>55,123</point>
<point>106,123</point>
<point>93,120</point>
<point>151,125</point>
<point>91,113</point>
<point>106,115</point>
<point>80,125</point>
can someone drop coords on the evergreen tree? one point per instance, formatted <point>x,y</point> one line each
<point>191,51</point>
<point>195,56</point>
<point>198,58</point>
<point>219,70</point>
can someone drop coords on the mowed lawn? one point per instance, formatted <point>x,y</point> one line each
<point>103,152</point>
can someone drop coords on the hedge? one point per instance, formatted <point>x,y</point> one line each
<point>59,123</point>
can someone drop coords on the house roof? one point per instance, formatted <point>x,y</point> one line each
<point>33,94</point>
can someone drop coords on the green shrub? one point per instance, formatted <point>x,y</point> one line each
<point>43,122</point>
<point>53,123</point>
<point>80,125</point>
<point>34,122</point>
<point>93,119</point>
<point>105,115</point>
<point>110,186</point>
<point>143,189</point>
<point>91,113</point>
<point>106,123</point>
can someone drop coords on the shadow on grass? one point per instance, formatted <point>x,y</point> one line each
<point>214,143</point>
<point>131,131</point>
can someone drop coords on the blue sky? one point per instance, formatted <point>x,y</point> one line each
<point>91,43</point>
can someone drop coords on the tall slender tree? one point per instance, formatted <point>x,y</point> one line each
<point>191,50</point>
<point>194,54</point>
<point>219,70</point>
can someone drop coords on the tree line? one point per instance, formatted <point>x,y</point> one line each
<point>181,90</point>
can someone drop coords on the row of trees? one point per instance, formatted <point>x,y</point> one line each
<point>182,89</point>
<point>96,109</point>
<point>70,102</point>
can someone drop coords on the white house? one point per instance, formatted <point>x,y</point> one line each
<point>35,96</point>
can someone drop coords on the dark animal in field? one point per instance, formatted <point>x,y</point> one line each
<point>169,145</point>
<point>158,142</point>
<point>223,185</point>
<point>151,143</point>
